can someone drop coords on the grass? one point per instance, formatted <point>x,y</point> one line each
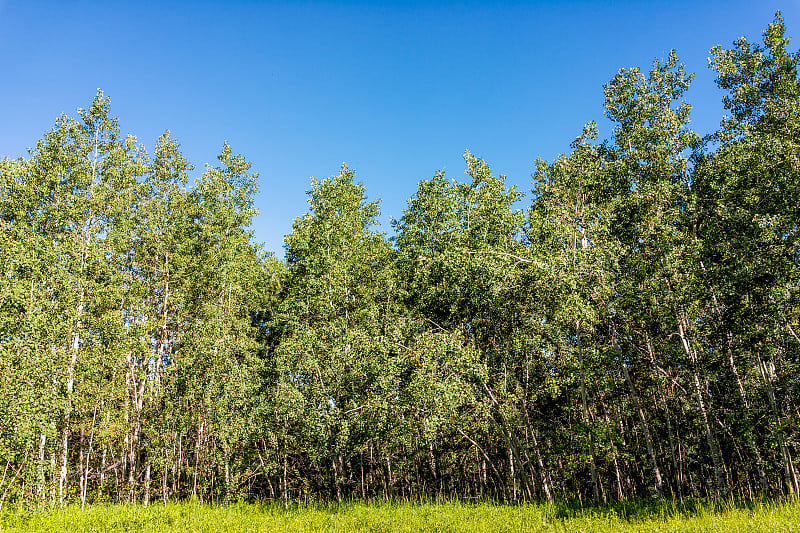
<point>442,516</point>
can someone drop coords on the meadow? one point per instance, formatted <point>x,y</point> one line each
<point>637,516</point>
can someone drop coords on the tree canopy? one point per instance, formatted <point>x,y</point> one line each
<point>630,330</point>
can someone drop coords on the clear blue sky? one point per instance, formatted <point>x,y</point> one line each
<point>395,89</point>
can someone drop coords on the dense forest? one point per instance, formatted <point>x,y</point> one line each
<point>630,330</point>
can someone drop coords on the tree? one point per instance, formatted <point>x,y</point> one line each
<point>338,353</point>
<point>749,230</point>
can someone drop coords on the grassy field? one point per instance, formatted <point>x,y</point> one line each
<point>633,516</point>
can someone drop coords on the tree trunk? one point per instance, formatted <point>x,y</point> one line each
<point>789,470</point>
<point>544,472</point>
<point>40,468</point>
<point>198,444</point>
<point>677,468</point>
<point>147,485</point>
<point>587,417</point>
<point>88,458</point>
<point>643,419</point>
<point>715,457</point>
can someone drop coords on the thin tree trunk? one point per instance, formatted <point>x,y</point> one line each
<point>164,476</point>
<point>752,444</point>
<point>227,478</point>
<point>718,474</point>
<point>789,470</point>
<point>19,469</point>
<point>544,472</point>
<point>197,457</point>
<point>389,482</point>
<point>53,477</point>
<point>678,470</point>
<point>487,459</point>
<point>147,485</point>
<point>593,467</point>
<point>62,481</point>
<point>513,444</point>
<point>40,468</point>
<point>643,419</point>
<point>88,456</point>
<point>75,343</point>
<point>176,473</point>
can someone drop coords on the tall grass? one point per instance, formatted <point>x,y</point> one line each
<point>639,516</point>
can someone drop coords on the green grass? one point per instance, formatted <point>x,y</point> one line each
<point>445,516</point>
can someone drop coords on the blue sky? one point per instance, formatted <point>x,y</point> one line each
<point>395,89</point>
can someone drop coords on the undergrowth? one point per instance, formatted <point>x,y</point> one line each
<point>634,516</point>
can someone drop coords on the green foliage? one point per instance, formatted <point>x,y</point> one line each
<point>632,333</point>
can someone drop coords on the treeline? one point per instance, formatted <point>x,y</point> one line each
<point>632,333</point>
